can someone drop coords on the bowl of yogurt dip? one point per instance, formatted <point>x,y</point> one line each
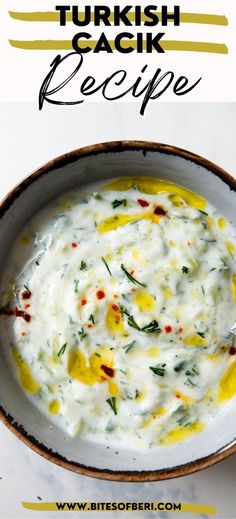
<point>117,300</point>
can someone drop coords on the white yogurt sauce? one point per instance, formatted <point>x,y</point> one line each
<point>117,305</point>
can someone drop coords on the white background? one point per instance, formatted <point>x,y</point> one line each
<point>28,139</point>
<point>23,70</point>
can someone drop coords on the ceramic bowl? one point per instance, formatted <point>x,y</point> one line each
<point>100,162</point>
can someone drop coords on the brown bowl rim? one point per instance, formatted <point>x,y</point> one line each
<point>8,420</point>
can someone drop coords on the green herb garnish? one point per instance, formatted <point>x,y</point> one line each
<point>62,350</point>
<point>201,334</point>
<point>208,240</point>
<point>203,291</point>
<point>128,347</point>
<point>203,212</point>
<point>152,327</point>
<point>193,372</point>
<point>91,318</point>
<point>183,421</point>
<point>158,370</point>
<point>83,265</point>
<point>76,282</point>
<point>180,366</point>
<point>225,264</point>
<point>123,310</point>
<point>82,334</point>
<point>106,265</point>
<point>182,217</point>
<point>132,323</point>
<point>112,403</point>
<point>117,203</point>
<point>185,269</point>
<point>191,382</point>
<point>131,278</point>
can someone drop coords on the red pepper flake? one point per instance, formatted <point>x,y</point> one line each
<point>160,211</point>
<point>90,326</point>
<point>100,294</point>
<point>117,318</point>
<point>109,371</point>
<point>177,395</point>
<point>26,294</point>
<point>83,301</point>
<point>27,306</point>
<point>181,329</point>
<point>168,329</point>
<point>115,308</point>
<point>23,334</point>
<point>23,314</point>
<point>143,203</point>
<point>232,350</point>
<point>74,245</point>
<point>17,312</point>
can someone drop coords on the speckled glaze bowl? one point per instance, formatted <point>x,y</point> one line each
<point>79,167</point>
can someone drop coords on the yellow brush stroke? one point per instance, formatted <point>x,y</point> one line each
<point>195,46</point>
<point>185,46</point>
<point>198,509</point>
<point>193,508</point>
<point>42,44</point>
<point>43,507</point>
<point>51,16</point>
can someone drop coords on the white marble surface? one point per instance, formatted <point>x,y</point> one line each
<point>30,138</point>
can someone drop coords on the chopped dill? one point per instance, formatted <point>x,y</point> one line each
<point>62,350</point>
<point>82,334</point>
<point>158,370</point>
<point>106,265</point>
<point>128,346</point>
<point>112,403</point>
<point>117,203</point>
<point>76,282</point>
<point>83,265</point>
<point>130,277</point>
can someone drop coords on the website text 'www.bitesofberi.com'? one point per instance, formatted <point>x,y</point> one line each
<point>154,506</point>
